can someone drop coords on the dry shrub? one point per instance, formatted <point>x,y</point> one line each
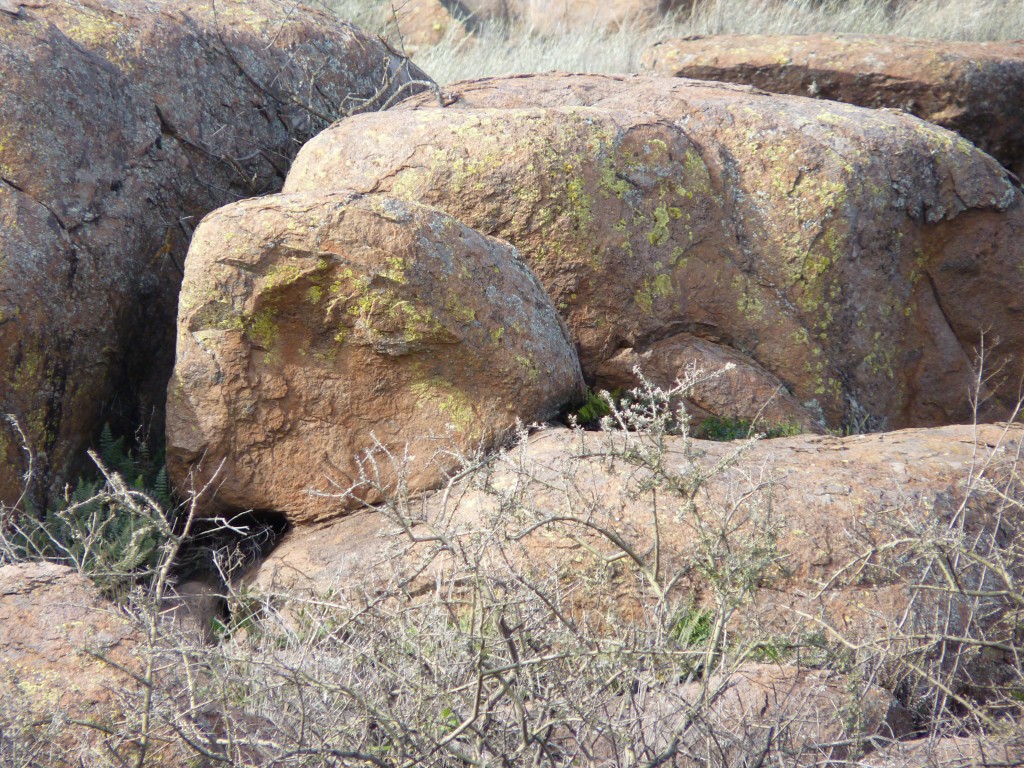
<point>464,648</point>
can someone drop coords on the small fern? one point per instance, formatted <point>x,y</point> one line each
<point>594,408</point>
<point>114,536</point>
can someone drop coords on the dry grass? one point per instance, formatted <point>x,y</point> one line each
<point>458,648</point>
<point>504,51</point>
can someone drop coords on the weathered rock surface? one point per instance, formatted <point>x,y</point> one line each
<point>747,393</point>
<point>856,524</point>
<point>57,635</point>
<point>71,671</point>
<point>967,87</point>
<point>122,123</point>
<point>854,254</point>
<point>313,325</point>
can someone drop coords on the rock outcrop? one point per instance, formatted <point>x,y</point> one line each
<point>65,654</point>
<point>857,255</point>
<point>123,123</point>
<point>967,87</point>
<point>853,526</point>
<point>72,672</point>
<point>314,328</point>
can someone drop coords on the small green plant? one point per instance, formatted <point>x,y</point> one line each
<point>693,627</point>
<point>724,430</point>
<point>111,526</point>
<point>594,408</point>
<point>144,469</point>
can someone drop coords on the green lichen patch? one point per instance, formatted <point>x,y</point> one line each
<point>659,233</point>
<point>654,288</point>
<point>451,402</point>
<point>748,300</point>
<point>389,321</point>
<point>394,270</point>
<point>881,359</point>
<point>218,316</point>
<point>92,28</point>
<point>261,328</point>
<point>528,366</point>
<point>579,202</point>
<point>697,178</point>
<point>610,183</point>
<point>283,274</point>
<point>459,311</point>
<point>942,142</point>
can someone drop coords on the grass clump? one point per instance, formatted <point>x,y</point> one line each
<point>726,429</point>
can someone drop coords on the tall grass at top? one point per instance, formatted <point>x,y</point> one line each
<point>500,50</point>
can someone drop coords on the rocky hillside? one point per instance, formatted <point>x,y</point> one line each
<point>392,307</point>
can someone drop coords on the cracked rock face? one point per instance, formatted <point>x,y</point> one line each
<point>969,87</point>
<point>122,124</point>
<point>314,327</point>
<point>855,254</point>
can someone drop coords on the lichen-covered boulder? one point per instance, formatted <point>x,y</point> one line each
<point>969,87</point>
<point>122,123</point>
<point>314,328</point>
<point>855,254</point>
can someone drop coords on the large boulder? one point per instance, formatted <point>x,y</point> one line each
<point>857,255</point>
<point>967,87</point>
<point>863,544</point>
<point>314,328</point>
<point>73,667</point>
<point>123,123</point>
